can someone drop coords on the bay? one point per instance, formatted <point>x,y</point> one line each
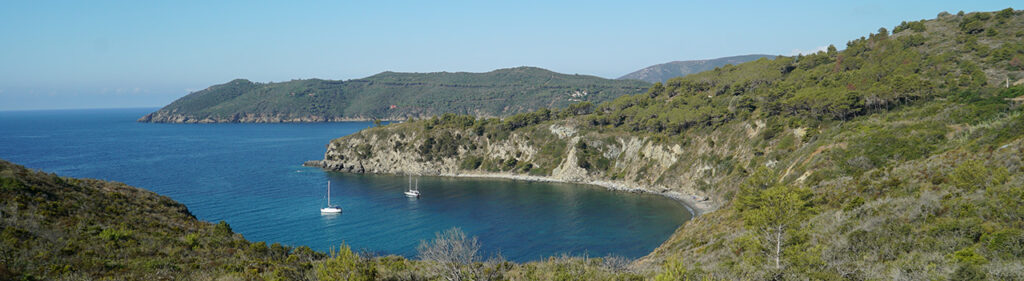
<point>250,175</point>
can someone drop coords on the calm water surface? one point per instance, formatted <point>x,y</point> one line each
<point>250,175</point>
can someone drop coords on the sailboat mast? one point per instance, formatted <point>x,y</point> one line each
<point>328,193</point>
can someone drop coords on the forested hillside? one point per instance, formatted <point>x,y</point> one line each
<point>392,96</point>
<point>664,72</point>
<point>898,158</point>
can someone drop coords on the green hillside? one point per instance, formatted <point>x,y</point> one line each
<point>897,158</point>
<point>392,95</point>
<point>57,227</point>
<point>665,71</point>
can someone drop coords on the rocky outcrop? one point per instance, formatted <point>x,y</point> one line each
<point>692,173</point>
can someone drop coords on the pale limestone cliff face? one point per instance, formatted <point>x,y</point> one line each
<point>692,173</point>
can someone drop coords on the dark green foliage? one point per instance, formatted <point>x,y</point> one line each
<point>974,23</point>
<point>1007,243</point>
<point>912,40</point>
<point>471,163</point>
<point>582,108</point>
<point>872,75</point>
<point>223,229</point>
<point>525,119</point>
<point>394,96</point>
<point>879,146</point>
<point>443,145</point>
<point>364,150</point>
<point>1005,13</point>
<point>509,164</point>
<point>968,272</point>
<point>591,158</point>
<point>916,26</point>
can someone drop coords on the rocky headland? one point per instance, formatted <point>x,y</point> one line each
<point>553,154</point>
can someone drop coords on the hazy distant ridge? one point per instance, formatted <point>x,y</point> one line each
<point>665,71</point>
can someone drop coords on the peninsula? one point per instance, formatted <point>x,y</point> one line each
<point>392,96</point>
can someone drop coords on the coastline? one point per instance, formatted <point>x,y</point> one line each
<point>187,119</point>
<point>696,207</point>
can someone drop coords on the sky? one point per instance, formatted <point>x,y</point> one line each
<point>111,54</point>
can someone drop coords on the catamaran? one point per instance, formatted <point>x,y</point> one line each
<point>330,209</point>
<point>413,192</point>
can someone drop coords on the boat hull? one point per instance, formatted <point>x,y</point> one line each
<point>330,210</point>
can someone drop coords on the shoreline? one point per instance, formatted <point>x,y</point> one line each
<point>690,202</point>
<point>695,207</point>
<point>297,120</point>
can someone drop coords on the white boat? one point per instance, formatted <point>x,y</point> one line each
<point>413,192</point>
<point>330,209</point>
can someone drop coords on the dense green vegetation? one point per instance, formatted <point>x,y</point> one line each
<point>664,72</point>
<point>897,158</point>
<point>392,95</point>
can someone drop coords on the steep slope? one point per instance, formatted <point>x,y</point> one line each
<point>392,96</point>
<point>896,158</point>
<point>664,72</point>
<point>57,227</point>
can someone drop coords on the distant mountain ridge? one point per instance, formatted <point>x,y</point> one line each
<point>392,96</point>
<point>665,71</point>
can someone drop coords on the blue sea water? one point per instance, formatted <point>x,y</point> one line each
<point>251,176</point>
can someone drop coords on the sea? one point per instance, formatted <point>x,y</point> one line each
<point>251,176</point>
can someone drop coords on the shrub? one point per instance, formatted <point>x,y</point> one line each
<point>345,265</point>
<point>223,229</point>
<point>449,252</point>
<point>1008,243</point>
<point>192,240</point>
<point>114,235</point>
<point>974,174</point>
<point>471,163</point>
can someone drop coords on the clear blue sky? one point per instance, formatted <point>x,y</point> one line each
<point>98,54</point>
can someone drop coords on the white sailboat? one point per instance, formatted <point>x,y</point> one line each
<point>413,192</point>
<point>329,208</point>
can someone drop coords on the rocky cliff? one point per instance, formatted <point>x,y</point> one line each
<point>554,152</point>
